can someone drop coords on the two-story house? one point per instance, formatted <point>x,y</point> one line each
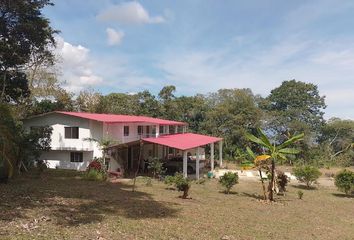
<point>71,147</point>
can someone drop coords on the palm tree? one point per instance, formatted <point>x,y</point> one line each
<point>273,152</point>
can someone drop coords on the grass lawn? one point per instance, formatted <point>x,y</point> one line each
<point>60,205</point>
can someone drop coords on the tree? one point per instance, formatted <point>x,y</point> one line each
<point>274,152</point>
<point>23,31</point>
<point>88,101</point>
<point>33,143</point>
<point>148,104</point>
<point>232,113</point>
<point>169,109</point>
<point>295,107</point>
<point>336,139</point>
<point>119,103</point>
<point>344,181</point>
<point>8,143</point>
<point>228,180</point>
<point>307,174</point>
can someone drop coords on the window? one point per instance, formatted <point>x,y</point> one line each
<point>76,157</point>
<point>140,130</point>
<point>72,132</point>
<point>148,130</point>
<point>153,132</point>
<point>126,130</point>
<point>161,129</point>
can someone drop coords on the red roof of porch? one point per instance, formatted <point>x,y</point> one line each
<point>183,141</point>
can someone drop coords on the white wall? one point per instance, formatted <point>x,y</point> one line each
<point>87,129</point>
<point>61,159</point>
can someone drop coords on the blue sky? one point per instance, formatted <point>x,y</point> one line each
<point>202,46</point>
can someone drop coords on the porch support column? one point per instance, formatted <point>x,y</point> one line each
<point>212,156</point>
<point>220,153</point>
<point>185,164</point>
<point>197,164</point>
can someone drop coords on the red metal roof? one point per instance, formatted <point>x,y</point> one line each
<point>183,141</point>
<point>114,118</point>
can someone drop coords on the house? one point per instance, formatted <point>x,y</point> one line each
<point>154,137</point>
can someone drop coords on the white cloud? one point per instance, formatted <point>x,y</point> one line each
<point>264,70</point>
<point>76,65</point>
<point>129,13</point>
<point>114,37</point>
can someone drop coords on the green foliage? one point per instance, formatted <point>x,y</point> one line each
<point>228,180</point>
<point>276,152</point>
<point>169,180</point>
<point>182,184</point>
<point>9,144</point>
<point>156,166</point>
<point>95,175</point>
<point>28,34</point>
<point>232,113</point>
<point>33,143</point>
<point>307,174</point>
<point>300,194</point>
<point>344,181</point>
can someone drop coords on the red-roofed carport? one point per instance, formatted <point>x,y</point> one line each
<point>186,141</point>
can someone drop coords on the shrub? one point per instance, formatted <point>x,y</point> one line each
<point>156,167</point>
<point>169,180</point>
<point>307,174</point>
<point>282,181</point>
<point>95,175</point>
<point>182,184</point>
<point>300,194</point>
<point>344,181</point>
<point>228,180</point>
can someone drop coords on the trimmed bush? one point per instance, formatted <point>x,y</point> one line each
<point>182,184</point>
<point>307,174</point>
<point>344,181</point>
<point>228,180</point>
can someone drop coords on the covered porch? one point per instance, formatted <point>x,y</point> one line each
<point>186,142</point>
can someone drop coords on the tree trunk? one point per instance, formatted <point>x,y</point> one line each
<point>139,160</point>
<point>271,183</point>
<point>2,97</point>
<point>263,186</point>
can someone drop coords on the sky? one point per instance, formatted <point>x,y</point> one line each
<point>201,46</point>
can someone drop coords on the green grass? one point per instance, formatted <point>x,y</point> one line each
<point>61,205</point>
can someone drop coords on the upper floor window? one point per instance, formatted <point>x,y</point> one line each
<point>126,130</point>
<point>72,132</point>
<point>161,129</point>
<point>76,157</point>
<point>140,130</point>
<point>153,131</point>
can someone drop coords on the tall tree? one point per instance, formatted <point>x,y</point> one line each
<point>233,113</point>
<point>88,101</point>
<point>295,106</point>
<point>23,31</point>
<point>148,104</point>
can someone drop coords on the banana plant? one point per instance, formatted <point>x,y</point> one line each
<point>272,153</point>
